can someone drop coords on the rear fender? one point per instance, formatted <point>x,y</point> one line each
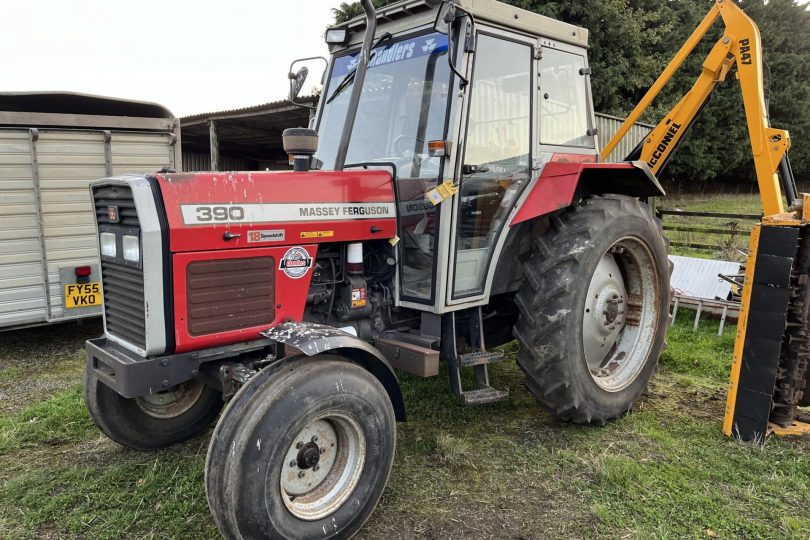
<point>312,339</point>
<point>560,183</point>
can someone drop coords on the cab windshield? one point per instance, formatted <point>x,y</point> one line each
<point>402,105</point>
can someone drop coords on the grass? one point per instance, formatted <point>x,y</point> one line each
<point>38,362</point>
<point>61,419</point>
<point>506,470</point>
<point>11,374</point>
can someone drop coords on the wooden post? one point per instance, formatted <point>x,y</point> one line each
<point>723,320</point>
<point>212,132</point>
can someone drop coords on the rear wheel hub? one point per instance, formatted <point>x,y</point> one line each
<point>620,314</point>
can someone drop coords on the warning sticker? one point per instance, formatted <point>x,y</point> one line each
<point>296,262</point>
<point>318,234</point>
<point>265,236</point>
<point>358,298</point>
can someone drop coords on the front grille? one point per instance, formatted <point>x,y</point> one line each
<point>123,284</point>
<point>120,196</point>
<point>230,294</point>
<point>123,302</point>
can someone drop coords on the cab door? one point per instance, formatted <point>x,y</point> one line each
<point>496,161</point>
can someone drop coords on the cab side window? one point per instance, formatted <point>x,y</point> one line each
<point>563,99</point>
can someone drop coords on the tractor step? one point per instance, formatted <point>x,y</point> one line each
<point>483,395</point>
<point>478,358</point>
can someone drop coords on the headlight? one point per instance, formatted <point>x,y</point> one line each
<point>107,243</point>
<point>132,250</point>
<point>336,36</point>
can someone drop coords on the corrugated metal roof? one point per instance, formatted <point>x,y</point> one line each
<point>256,109</point>
<point>608,125</point>
<point>697,278</point>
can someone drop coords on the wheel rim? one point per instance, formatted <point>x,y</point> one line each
<point>172,402</point>
<point>621,314</point>
<point>322,467</point>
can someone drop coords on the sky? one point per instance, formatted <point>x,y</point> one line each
<point>190,56</point>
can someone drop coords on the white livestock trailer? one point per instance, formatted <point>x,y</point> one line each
<point>52,145</point>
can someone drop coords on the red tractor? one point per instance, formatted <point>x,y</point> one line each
<point>449,200</point>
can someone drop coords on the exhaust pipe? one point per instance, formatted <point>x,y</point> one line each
<point>357,85</point>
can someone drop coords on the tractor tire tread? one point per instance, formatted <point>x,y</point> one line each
<point>544,303</point>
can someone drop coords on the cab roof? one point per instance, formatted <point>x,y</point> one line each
<point>407,14</point>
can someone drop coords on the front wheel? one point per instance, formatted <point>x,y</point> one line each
<point>303,453</point>
<point>155,421</point>
<point>593,309</point>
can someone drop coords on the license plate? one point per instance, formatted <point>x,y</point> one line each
<point>79,295</point>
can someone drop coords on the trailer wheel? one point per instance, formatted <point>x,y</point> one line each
<point>593,309</point>
<point>304,453</point>
<point>154,421</point>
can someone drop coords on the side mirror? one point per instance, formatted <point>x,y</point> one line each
<point>445,18</point>
<point>297,81</point>
<point>448,12</point>
<point>298,78</point>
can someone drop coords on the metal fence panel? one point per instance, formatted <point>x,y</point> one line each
<point>608,126</point>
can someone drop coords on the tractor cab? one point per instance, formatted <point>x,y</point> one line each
<point>475,96</point>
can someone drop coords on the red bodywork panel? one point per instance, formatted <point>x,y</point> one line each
<point>290,296</point>
<point>308,207</point>
<point>556,186</point>
<point>272,213</point>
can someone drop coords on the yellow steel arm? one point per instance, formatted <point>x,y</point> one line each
<point>739,44</point>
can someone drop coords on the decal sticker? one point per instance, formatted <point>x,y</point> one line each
<point>416,207</point>
<point>358,298</point>
<point>665,142</point>
<point>296,262</point>
<point>206,214</point>
<point>318,234</point>
<point>745,51</point>
<point>429,45</point>
<point>265,236</point>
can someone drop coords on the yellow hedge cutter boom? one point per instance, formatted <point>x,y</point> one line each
<point>768,380</point>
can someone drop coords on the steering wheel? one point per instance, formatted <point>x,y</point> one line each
<point>404,145</point>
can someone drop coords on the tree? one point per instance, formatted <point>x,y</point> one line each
<point>631,42</point>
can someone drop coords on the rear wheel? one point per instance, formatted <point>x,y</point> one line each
<point>593,309</point>
<point>154,421</point>
<point>302,452</point>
